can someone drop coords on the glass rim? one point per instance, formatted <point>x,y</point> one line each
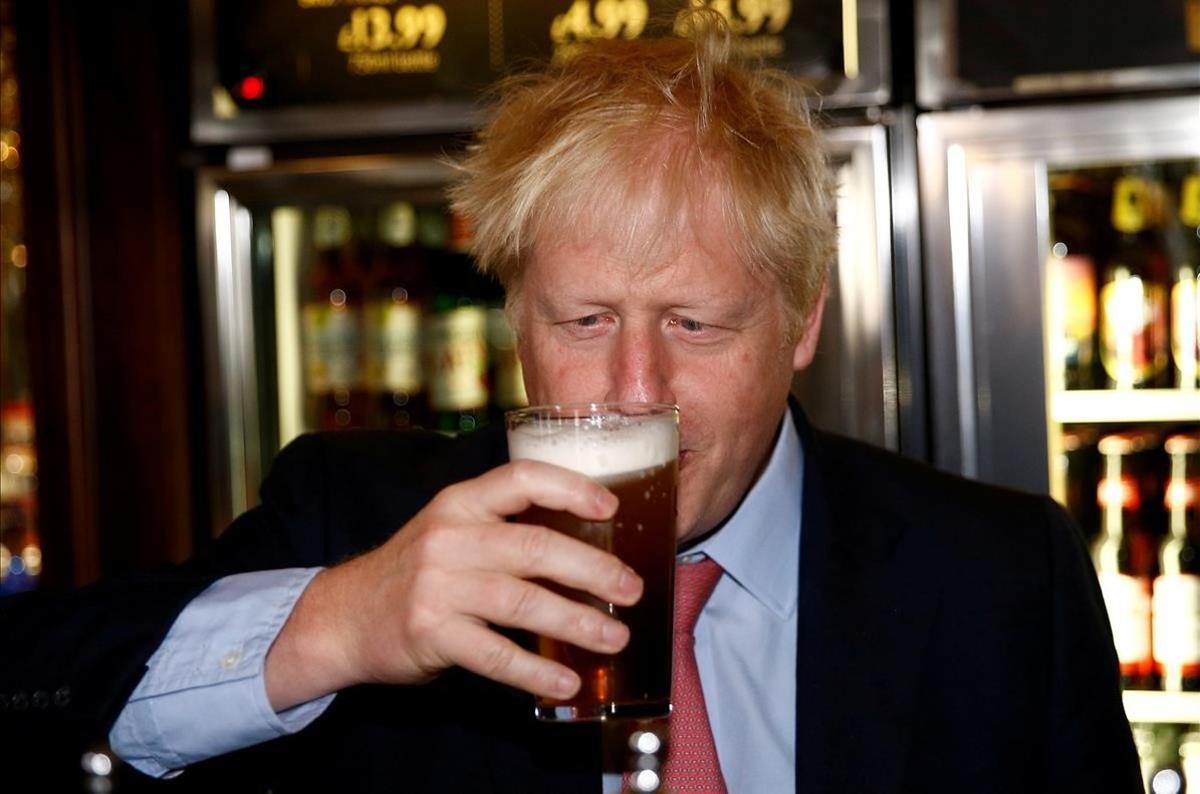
<point>581,409</point>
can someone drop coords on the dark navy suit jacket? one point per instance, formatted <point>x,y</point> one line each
<point>951,638</point>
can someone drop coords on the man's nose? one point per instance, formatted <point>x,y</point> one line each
<point>641,370</point>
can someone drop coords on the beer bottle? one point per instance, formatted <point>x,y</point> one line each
<point>396,300</point>
<point>1133,295</point>
<point>1071,281</point>
<point>332,325</point>
<point>1185,292</point>
<point>457,341</point>
<point>1121,559</point>
<point>1176,601</point>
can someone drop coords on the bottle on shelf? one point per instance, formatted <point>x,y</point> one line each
<point>456,349</point>
<point>1133,292</point>
<point>1185,289</point>
<point>397,296</point>
<point>1071,282</point>
<point>1176,600</point>
<point>1124,557</point>
<point>332,322</point>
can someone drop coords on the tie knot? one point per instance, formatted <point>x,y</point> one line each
<point>694,583</point>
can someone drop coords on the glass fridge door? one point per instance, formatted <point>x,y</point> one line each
<point>1065,241</point>
<point>340,294</point>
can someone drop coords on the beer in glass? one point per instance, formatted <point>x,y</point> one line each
<point>633,450</point>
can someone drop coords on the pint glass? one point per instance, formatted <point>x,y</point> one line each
<point>633,450</point>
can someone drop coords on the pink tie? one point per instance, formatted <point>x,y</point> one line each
<point>691,764</point>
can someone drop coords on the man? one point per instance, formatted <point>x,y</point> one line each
<point>662,222</point>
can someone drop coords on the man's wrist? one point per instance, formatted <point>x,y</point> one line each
<point>313,655</point>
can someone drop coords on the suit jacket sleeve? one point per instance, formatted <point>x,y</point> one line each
<point>72,659</point>
<point>1091,748</point>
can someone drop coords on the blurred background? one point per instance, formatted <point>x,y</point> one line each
<point>223,224</point>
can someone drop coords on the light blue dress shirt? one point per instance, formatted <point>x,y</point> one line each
<point>212,659</point>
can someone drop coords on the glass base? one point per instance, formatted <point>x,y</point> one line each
<point>565,712</point>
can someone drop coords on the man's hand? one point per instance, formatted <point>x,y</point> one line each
<point>422,602</point>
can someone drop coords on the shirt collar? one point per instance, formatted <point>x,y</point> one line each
<point>759,546</point>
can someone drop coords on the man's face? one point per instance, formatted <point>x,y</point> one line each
<point>696,330</point>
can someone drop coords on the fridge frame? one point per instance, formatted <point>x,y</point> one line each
<point>986,232</point>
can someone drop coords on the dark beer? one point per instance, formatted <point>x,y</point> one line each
<point>637,681</point>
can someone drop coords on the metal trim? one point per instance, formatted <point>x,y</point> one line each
<point>213,332</point>
<point>907,286</point>
<point>867,369</point>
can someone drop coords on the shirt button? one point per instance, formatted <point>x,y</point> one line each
<point>62,697</point>
<point>40,699</point>
<point>231,659</point>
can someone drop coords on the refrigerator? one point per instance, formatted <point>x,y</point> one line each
<point>314,159</point>
<point>1061,284</point>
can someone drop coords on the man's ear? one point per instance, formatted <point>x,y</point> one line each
<point>806,347</point>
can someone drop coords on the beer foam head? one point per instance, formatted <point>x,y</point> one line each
<point>612,446</point>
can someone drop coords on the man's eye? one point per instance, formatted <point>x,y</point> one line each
<point>691,326</point>
<point>587,326</point>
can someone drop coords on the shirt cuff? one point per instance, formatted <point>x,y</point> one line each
<point>212,663</point>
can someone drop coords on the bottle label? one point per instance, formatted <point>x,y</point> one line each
<point>1177,619</point>
<point>1127,599</point>
<point>1189,191</point>
<point>393,347</point>
<point>331,348</point>
<point>1133,329</point>
<point>1072,283</point>
<point>1137,203</point>
<point>1185,325</point>
<point>458,360</point>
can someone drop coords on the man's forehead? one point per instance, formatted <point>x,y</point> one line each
<point>571,275</point>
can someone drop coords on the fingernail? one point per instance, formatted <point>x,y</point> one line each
<point>629,582</point>
<point>612,633</point>
<point>566,685</point>
<point>606,502</point>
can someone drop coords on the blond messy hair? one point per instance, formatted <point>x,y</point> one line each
<point>633,139</point>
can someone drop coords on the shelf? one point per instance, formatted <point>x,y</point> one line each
<point>1150,405</point>
<point>1178,707</point>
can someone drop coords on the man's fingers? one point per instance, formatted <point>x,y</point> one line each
<point>521,484</point>
<point>516,603</point>
<point>483,651</point>
<point>533,552</point>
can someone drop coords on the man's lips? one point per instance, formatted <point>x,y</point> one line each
<point>685,455</point>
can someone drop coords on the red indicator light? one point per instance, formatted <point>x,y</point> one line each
<point>252,87</point>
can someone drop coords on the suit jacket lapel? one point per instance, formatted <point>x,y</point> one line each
<point>866,605</point>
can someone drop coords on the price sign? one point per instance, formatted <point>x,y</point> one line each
<point>278,53</point>
<point>284,53</point>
